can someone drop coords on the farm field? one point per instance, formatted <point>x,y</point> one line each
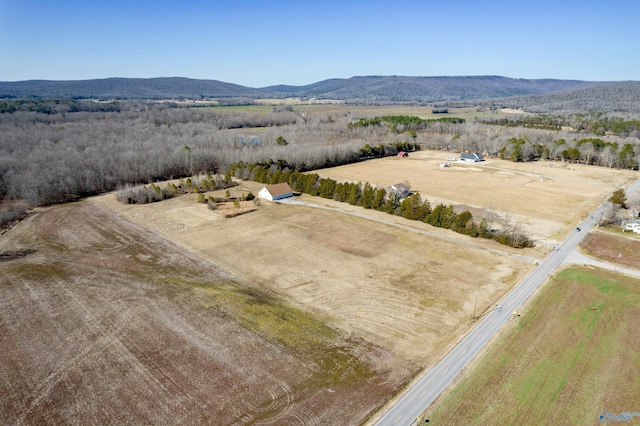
<point>544,198</point>
<point>338,107</point>
<point>287,314</point>
<point>408,293</point>
<point>102,321</point>
<point>619,249</point>
<point>571,356</point>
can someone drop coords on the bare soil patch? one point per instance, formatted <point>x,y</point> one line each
<point>621,250</point>
<point>104,322</point>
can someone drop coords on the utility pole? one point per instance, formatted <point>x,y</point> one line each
<point>618,266</point>
<point>474,307</point>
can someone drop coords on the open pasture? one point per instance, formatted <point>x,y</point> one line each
<point>545,198</point>
<point>408,293</point>
<point>571,356</point>
<point>338,107</point>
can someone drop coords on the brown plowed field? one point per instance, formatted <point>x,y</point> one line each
<point>103,322</point>
<point>622,250</point>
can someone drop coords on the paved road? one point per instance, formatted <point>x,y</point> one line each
<point>435,380</point>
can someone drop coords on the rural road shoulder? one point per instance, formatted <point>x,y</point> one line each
<point>578,258</point>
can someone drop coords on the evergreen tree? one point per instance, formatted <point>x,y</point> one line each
<point>354,194</point>
<point>379,200</point>
<point>441,216</point>
<point>368,194</point>
<point>618,197</point>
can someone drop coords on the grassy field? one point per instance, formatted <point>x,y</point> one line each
<point>407,292</point>
<point>171,313</point>
<point>358,110</point>
<point>545,198</point>
<point>103,322</point>
<point>570,356</point>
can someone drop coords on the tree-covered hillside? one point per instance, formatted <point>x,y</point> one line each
<point>364,90</point>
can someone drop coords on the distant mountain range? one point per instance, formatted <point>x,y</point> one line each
<point>365,89</point>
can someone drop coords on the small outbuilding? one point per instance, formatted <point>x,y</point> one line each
<point>276,192</point>
<point>403,154</point>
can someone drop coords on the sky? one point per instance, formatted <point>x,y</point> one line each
<point>263,43</point>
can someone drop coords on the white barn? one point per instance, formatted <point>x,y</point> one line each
<point>473,158</point>
<point>276,192</point>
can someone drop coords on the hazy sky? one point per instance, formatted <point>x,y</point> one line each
<point>262,43</point>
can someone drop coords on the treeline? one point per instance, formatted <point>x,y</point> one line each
<point>144,194</point>
<point>411,207</point>
<point>597,123</point>
<point>57,106</point>
<point>386,149</point>
<point>54,158</point>
<point>592,151</point>
<point>406,121</point>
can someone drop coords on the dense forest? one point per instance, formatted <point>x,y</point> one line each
<point>620,97</point>
<point>77,150</point>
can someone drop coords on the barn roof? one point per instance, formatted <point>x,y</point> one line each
<point>279,189</point>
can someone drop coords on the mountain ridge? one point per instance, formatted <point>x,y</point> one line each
<point>373,89</point>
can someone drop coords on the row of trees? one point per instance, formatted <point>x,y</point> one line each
<point>144,194</point>
<point>587,151</point>
<point>403,123</point>
<point>597,123</point>
<point>411,207</point>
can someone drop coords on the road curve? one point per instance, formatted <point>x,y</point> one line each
<point>435,380</point>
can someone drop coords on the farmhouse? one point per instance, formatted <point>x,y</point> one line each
<point>276,192</point>
<point>472,158</point>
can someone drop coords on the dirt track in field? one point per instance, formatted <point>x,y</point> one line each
<point>103,322</point>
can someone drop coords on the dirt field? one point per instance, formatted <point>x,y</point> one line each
<point>622,250</point>
<point>544,198</point>
<point>103,322</point>
<point>571,356</point>
<point>409,293</point>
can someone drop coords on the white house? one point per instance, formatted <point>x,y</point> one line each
<point>473,158</point>
<point>276,192</point>
<point>632,226</point>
